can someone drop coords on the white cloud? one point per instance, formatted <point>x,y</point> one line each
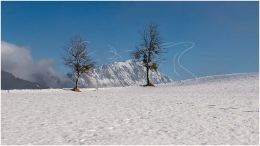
<point>18,61</point>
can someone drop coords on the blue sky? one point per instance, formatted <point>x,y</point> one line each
<point>225,34</point>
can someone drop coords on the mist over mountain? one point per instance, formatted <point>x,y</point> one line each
<point>9,81</point>
<point>19,62</point>
<point>119,74</point>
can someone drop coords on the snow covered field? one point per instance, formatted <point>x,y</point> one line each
<point>212,110</point>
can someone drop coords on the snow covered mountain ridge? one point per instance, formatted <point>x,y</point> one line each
<point>118,74</point>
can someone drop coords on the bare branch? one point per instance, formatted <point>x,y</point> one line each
<point>77,58</point>
<point>150,49</point>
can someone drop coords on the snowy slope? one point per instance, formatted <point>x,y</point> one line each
<point>217,110</point>
<point>119,74</point>
<point>218,79</point>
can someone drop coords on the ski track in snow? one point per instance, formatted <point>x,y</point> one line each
<point>218,110</point>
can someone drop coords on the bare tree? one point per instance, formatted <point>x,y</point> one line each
<point>150,50</point>
<point>77,58</point>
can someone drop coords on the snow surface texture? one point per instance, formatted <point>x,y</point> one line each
<point>120,74</point>
<point>218,110</point>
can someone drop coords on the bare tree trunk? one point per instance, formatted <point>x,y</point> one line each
<point>147,76</point>
<point>77,80</point>
<point>76,86</point>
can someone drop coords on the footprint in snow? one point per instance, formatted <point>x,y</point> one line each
<point>128,121</point>
<point>252,111</point>
<point>211,106</point>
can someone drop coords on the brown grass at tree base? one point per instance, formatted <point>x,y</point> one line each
<point>150,84</point>
<point>75,89</point>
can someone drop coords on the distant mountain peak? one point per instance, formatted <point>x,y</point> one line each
<point>116,74</point>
